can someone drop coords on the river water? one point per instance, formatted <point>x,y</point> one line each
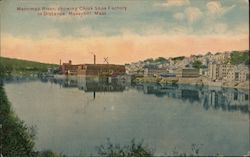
<point>74,119</point>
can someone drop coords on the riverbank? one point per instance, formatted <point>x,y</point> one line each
<point>201,81</point>
<point>16,137</point>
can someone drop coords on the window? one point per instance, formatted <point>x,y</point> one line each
<point>246,97</point>
<point>235,95</point>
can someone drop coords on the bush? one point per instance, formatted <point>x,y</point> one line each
<point>197,64</point>
<point>16,137</point>
<point>49,153</point>
<point>132,150</point>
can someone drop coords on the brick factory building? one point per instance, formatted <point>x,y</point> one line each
<point>92,69</point>
<point>101,70</point>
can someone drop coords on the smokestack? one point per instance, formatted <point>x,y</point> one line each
<point>94,59</point>
<point>60,62</point>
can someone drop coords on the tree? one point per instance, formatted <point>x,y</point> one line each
<point>2,70</point>
<point>197,64</point>
<point>237,57</point>
<point>178,58</point>
<point>160,59</point>
<point>134,149</point>
<point>149,60</point>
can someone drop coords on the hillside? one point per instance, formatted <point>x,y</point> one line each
<point>240,57</point>
<point>11,65</point>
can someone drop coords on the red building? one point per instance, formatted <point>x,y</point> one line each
<point>92,69</point>
<point>68,69</point>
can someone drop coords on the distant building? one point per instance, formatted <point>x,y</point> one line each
<point>188,73</point>
<point>213,71</point>
<point>101,70</point>
<point>239,73</point>
<point>219,58</point>
<point>92,69</point>
<point>228,72</point>
<point>68,68</point>
<point>154,71</point>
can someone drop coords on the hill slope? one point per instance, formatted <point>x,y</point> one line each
<point>18,65</point>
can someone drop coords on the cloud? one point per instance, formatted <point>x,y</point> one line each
<point>193,14</point>
<point>174,3</point>
<point>215,8</point>
<point>220,28</point>
<point>242,29</point>
<point>217,28</point>
<point>50,33</point>
<point>179,16</point>
<point>89,32</point>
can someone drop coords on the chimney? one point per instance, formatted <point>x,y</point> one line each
<point>70,62</point>
<point>60,62</point>
<point>94,59</point>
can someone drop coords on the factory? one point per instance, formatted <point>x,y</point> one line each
<point>107,70</point>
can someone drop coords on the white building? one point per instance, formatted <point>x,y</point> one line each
<point>154,71</point>
<point>228,72</point>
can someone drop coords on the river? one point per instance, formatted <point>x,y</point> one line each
<point>74,119</point>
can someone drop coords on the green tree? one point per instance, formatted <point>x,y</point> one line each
<point>180,58</point>
<point>160,59</point>
<point>237,57</point>
<point>49,153</point>
<point>149,60</point>
<point>134,149</point>
<point>197,64</point>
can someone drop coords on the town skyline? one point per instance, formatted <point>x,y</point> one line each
<point>144,30</point>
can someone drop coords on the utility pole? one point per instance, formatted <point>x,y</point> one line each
<point>94,59</point>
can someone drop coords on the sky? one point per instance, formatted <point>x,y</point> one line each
<point>133,30</point>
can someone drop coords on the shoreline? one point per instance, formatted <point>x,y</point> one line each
<point>201,81</point>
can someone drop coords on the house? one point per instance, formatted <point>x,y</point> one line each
<point>68,68</point>
<point>188,73</point>
<point>154,72</point>
<point>228,72</point>
<point>238,73</point>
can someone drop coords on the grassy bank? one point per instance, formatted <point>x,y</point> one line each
<point>16,137</point>
<point>24,67</point>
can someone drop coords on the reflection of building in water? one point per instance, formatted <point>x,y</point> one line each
<point>69,83</point>
<point>96,84</point>
<point>225,99</point>
<point>190,95</point>
<point>229,99</point>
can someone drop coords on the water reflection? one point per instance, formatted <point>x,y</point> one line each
<point>74,115</point>
<point>226,99</point>
<point>210,97</point>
